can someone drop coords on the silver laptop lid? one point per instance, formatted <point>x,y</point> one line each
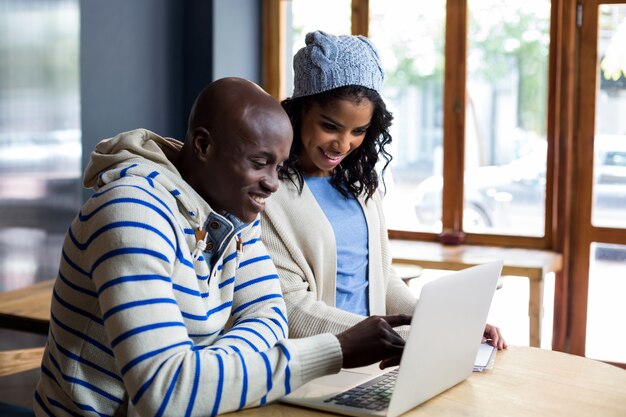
<point>446,332</point>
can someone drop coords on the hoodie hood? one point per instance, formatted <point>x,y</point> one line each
<point>126,147</point>
<point>141,153</point>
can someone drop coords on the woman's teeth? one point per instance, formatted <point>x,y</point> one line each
<point>332,158</point>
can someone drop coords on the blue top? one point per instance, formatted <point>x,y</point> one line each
<point>348,222</point>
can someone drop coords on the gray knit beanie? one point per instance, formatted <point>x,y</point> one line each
<point>328,61</point>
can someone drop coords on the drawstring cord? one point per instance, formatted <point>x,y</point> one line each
<point>201,237</point>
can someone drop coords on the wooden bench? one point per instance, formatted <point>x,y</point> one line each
<point>27,309</point>
<point>531,263</point>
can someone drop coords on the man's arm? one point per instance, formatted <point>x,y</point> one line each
<point>135,250</point>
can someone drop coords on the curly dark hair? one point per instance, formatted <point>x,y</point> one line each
<point>356,174</point>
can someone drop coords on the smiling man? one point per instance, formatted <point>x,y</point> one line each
<point>166,301</point>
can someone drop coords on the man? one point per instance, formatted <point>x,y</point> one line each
<point>166,302</point>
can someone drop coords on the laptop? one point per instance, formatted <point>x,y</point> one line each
<point>440,351</point>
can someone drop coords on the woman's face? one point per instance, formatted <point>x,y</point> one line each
<point>330,133</point>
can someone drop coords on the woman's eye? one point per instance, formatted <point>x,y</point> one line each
<point>329,126</point>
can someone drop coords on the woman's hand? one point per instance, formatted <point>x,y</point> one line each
<point>494,337</point>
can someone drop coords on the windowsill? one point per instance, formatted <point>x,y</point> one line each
<point>532,263</point>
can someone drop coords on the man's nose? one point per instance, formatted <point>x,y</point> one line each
<point>270,182</point>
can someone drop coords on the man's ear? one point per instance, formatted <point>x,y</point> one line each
<point>203,143</point>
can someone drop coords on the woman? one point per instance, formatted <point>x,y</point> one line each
<point>325,228</point>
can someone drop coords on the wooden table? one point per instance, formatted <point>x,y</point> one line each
<point>531,263</point>
<point>27,309</point>
<point>524,382</point>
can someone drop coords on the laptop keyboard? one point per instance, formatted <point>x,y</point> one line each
<point>371,395</point>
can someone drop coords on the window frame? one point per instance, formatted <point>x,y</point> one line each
<point>561,125</point>
<point>453,120</point>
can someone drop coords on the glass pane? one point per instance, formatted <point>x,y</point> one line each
<point>505,119</point>
<point>410,39</point>
<point>606,314</point>
<point>609,189</point>
<point>40,144</point>
<point>304,16</point>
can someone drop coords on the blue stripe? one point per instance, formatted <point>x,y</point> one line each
<point>189,231</point>
<point>73,265</point>
<point>280,313</point>
<point>50,375</point>
<point>254,260</point>
<point>120,200</point>
<point>287,371</point>
<point>252,241</point>
<point>138,303</point>
<point>219,308</point>
<point>82,336</point>
<point>115,225</point>
<point>76,287</point>
<point>147,384</point>
<point>224,283</point>
<point>202,335</point>
<point>257,300</point>
<point>142,189</point>
<point>127,251</point>
<point>146,328</point>
<point>226,260</point>
<point>280,326</point>
<point>42,405</point>
<point>254,332</point>
<point>186,290</point>
<point>82,360</point>
<point>125,170</point>
<point>194,390</point>
<point>243,339</point>
<point>216,348</point>
<point>168,394</point>
<point>220,384</point>
<point>256,223</point>
<point>244,383</point>
<point>179,255</point>
<point>75,309</point>
<point>150,354</point>
<point>91,387</point>
<point>256,281</point>
<point>268,377</point>
<point>57,404</point>
<point>256,320</point>
<point>150,177</point>
<point>196,317</point>
<point>132,278</point>
<point>175,192</point>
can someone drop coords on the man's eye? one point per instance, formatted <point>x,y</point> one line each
<point>259,163</point>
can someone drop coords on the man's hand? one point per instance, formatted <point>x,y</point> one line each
<point>373,340</point>
<point>494,337</point>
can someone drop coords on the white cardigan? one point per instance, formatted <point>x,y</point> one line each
<point>301,242</point>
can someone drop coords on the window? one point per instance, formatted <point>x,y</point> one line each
<point>508,133</point>
<point>40,141</point>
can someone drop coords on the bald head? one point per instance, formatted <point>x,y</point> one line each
<point>237,137</point>
<point>226,103</point>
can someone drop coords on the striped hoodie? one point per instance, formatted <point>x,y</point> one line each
<point>141,327</point>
